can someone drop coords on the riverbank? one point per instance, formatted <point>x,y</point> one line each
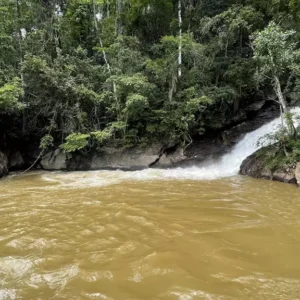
<point>209,147</point>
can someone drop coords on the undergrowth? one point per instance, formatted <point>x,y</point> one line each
<point>285,153</point>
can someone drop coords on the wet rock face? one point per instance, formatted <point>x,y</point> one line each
<point>107,159</point>
<point>129,159</point>
<point>213,147</point>
<point>3,165</point>
<point>286,176</point>
<point>253,166</point>
<point>208,148</point>
<point>169,159</point>
<point>56,160</point>
<point>234,134</point>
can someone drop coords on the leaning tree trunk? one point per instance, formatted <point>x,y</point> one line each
<point>284,108</point>
<point>280,95</point>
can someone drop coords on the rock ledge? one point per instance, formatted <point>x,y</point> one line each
<point>254,166</point>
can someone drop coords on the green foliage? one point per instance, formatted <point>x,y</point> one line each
<point>102,136</point>
<point>275,157</point>
<point>136,104</point>
<point>111,71</point>
<point>75,142</point>
<point>149,20</point>
<point>274,49</point>
<point>46,142</point>
<point>10,95</point>
<point>284,151</point>
<point>276,54</point>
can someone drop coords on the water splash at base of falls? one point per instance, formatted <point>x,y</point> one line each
<point>227,166</point>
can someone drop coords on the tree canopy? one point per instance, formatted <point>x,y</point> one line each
<point>88,73</point>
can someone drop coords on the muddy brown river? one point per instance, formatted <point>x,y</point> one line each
<point>115,235</point>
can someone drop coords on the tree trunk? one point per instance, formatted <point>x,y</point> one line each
<point>20,40</point>
<point>100,40</point>
<point>180,39</point>
<point>118,27</point>
<point>280,95</point>
<point>284,108</point>
<point>173,85</point>
<point>104,53</point>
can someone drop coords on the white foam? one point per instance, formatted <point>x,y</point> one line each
<point>8,294</point>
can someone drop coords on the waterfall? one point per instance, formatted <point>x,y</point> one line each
<point>230,163</point>
<point>251,142</point>
<point>226,166</point>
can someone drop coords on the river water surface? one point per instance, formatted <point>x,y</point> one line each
<point>114,235</point>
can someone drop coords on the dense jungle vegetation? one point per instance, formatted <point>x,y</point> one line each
<point>86,73</point>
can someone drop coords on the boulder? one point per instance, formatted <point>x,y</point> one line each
<point>3,165</point>
<point>171,159</point>
<point>16,161</point>
<point>208,148</point>
<point>297,173</point>
<point>128,159</point>
<point>56,160</point>
<point>107,159</point>
<point>254,166</point>
<point>286,176</point>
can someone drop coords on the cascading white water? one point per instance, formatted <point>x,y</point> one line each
<point>230,163</point>
<point>227,166</point>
